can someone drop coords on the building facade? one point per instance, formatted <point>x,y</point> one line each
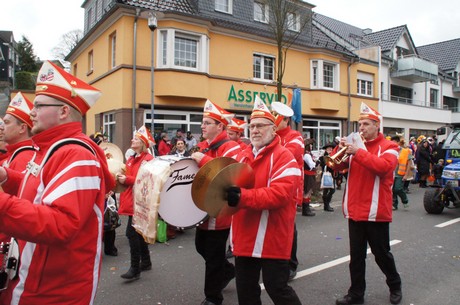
<point>222,50</point>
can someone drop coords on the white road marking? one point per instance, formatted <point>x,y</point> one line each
<point>447,223</point>
<point>330,264</point>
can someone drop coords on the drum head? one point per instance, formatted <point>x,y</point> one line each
<point>176,204</point>
<point>112,151</point>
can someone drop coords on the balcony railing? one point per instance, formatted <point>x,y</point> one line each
<point>415,69</point>
<point>408,101</point>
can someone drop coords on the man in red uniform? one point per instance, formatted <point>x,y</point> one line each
<point>235,131</point>
<point>293,141</point>
<point>20,149</point>
<point>263,226</point>
<point>211,236</point>
<point>58,214</point>
<point>367,204</point>
<point>17,128</point>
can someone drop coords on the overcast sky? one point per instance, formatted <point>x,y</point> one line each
<point>43,22</point>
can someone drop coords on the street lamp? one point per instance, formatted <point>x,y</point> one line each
<point>152,22</point>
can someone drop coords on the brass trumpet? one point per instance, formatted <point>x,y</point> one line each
<point>340,156</point>
<point>337,158</point>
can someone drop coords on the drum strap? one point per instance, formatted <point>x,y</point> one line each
<point>16,152</point>
<point>215,146</point>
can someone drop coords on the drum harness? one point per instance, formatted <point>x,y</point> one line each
<point>215,146</point>
<point>9,267</point>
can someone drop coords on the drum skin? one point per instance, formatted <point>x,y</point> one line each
<point>176,204</point>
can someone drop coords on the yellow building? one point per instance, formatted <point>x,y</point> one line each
<point>217,50</point>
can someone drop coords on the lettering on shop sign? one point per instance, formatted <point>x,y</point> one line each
<point>245,98</point>
<point>181,177</point>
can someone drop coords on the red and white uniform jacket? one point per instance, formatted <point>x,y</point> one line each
<point>127,196</point>
<point>368,193</point>
<point>58,219</point>
<point>263,226</point>
<point>228,149</point>
<point>292,140</point>
<point>19,155</point>
<point>17,160</point>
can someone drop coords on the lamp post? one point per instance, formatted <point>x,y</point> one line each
<point>152,22</point>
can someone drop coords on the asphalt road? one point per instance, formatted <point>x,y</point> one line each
<point>427,257</point>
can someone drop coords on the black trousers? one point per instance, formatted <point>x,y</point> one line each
<point>275,275</point>
<point>139,249</point>
<point>377,234</point>
<point>212,246</point>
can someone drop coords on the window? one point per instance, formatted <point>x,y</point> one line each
<point>401,94</point>
<point>323,131</point>
<point>260,12</point>
<point>450,103</point>
<point>90,62</point>
<point>109,125</point>
<point>365,84</point>
<point>324,75</point>
<point>113,49</point>
<point>89,17</point>
<point>263,67</point>
<point>185,52</point>
<point>293,22</point>
<point>433,98</point>
<point>182,50</point>
<point>224,6</point>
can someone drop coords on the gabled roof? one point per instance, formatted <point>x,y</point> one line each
<point>344,30</point>
<point>181,6</point>
<point>387,39</point>
<point>446,54</point>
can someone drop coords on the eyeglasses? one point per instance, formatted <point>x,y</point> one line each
<point>208,123</point>
<point>39,106</point>
<point>258,126</point>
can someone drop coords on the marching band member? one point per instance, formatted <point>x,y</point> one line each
<point>139,250</point>
<point>211,236</point>
<point>367,204</point>
<point>235,131</point>
<point>17,129</point>
<point>263,226</point>
<point>57,216</point>
<point>293,141</point>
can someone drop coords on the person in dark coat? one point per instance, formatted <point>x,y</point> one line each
<point>423,162</point>
<point>327,192</point>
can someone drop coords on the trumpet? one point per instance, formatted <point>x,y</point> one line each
<point>341,156</point>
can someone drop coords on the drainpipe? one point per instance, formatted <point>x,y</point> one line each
<point>349,96</point>
<point>133,112</point>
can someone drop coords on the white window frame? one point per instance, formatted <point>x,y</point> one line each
<point>219,6</point>
<point>90,62</point>
<point>318,78</point>
<point>365,84</point>
<point>166,49</point>
<point>113,49</point>
<point>261,12</point>
<point>109,124</point>
<point>293,22</point>
<point>262,67</point>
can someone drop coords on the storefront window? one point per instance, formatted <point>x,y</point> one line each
<point>322,131</point>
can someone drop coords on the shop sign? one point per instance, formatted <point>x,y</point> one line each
<point>244,99</point>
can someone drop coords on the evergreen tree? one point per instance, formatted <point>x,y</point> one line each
<point>27,59</point>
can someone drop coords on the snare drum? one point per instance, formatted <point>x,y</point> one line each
<point>176,204</point>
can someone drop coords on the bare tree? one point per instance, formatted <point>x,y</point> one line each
<point>287,21</point>
<point>67,42</point>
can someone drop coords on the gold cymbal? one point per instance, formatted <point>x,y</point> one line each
<point>204,176</point>
<point>115,167</point>
<point>237,174</point>
<point>111,151</point>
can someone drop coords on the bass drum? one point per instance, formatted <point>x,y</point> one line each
<point>176,204</point>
